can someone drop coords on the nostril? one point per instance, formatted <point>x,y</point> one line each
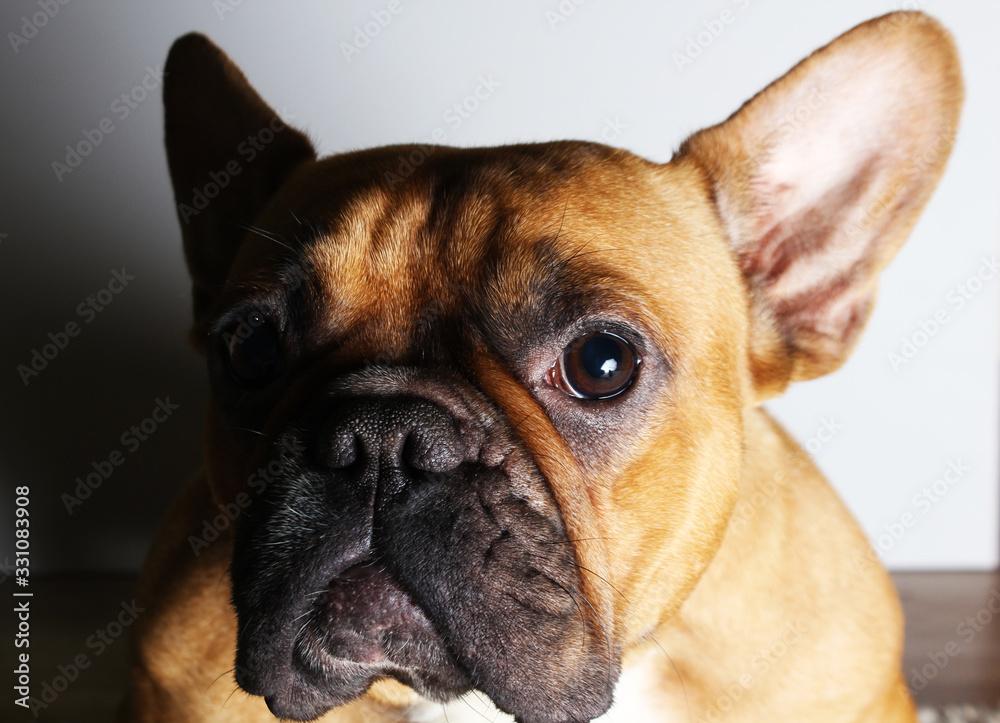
<point>373,435</point>
<point>432,449</point>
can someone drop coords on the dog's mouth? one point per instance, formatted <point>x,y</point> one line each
<point>500,611</point>
<point>419,544</point>
<point>362,628</point>
<point>366,618</point>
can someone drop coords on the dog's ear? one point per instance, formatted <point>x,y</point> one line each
<point>228,153</point>
<point>818,180</point>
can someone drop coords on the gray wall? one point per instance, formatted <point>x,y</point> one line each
<point>600,70</point>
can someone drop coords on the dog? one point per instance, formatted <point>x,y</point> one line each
<point>485,429</point>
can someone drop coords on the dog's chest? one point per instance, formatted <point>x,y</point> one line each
<point>632,703</point>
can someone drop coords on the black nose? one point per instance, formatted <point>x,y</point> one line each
<point>403,433</point>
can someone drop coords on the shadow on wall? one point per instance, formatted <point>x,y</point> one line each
<point>103,399</point>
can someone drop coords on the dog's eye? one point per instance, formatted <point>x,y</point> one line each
<point>596,366</point>
<point>252,349</point>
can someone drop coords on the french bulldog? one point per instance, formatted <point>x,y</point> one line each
<point>486,432</point>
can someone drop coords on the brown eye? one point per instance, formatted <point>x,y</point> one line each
<point>596,366</point>
<point>252,349</point>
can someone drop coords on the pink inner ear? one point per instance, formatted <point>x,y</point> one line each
<point>788,237</point>
<point>816,267</point>
<point>820,177</point>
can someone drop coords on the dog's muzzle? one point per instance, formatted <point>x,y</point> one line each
<point>414,539</point>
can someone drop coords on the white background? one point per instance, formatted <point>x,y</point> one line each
<point>575,72</point>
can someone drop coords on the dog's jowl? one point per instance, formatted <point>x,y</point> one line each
<point>492,431</point>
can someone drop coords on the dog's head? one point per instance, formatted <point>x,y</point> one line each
<point>482,408</point>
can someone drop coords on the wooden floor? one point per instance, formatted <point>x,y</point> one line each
<point>952,655</point>
<point>952,636</point>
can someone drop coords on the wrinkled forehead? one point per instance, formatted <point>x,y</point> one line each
<point>398,241</point>
<point>388,238</point>
<point>391,246</point>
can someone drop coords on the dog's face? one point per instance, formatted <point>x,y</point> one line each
<point>412,530</point>
<point>484,417</point>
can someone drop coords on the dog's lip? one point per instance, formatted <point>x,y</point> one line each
<point>365,626</point>
<point>366,595</point>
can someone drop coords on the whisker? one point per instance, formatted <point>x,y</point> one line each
<point>526,418</point>
<point>228,697</point>
<point>220,676</point>
<point>680,677</point>
<point>586,569</point>
<point>247,429</point>
<point>579,252</point>
<point>593,251</point>
<point>303,627</point>
<point>576,605</point>
<point>465,700</point>
<point>562,220</point>
<point>604,580</point>
<point>607,636</point>
<point>265,234</point>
